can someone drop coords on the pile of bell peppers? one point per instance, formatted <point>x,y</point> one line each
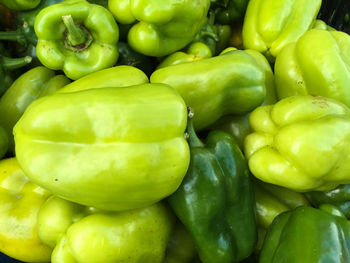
<point>174,131</point>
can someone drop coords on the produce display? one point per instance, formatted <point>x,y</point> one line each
<point>174,131</point>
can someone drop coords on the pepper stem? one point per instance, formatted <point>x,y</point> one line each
<point>193,139</point>
<point>14,63</point>
<point>14,36</point>
<point>77,37</point>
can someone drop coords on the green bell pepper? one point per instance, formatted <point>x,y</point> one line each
<point>237,126</point>
<point>181,247</point>
<point>195,51</point>
<point>138,160</point>
<point>76,37</point>
<point>120,76</point>
<point>233,83</point>
<point>269,25</point>
<point>20,201</point>
<point>229,11</point>
<point>308,235</point>
<point>127,56</point>
<point>35,83</point>
<point>84,234</point>
<point>20,4</point>
<point>318,63</point>
<point>270,201</point>
<point>163,26</point>
<point>215,200</point>
<point>300,143</point>
<point>339,197</point>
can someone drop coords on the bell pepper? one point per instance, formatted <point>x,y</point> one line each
<point>237,126</point>
<point>76,37</point>
<point>127,56</point>
<point>339,197</point>
<point>270,97</point>
<point>215,200</point>
<point>308,235</point>
<point>181,247</point>
<point>318,63</point>
<point>269,25</point>
<point>162,26</point>
<point>19,206</point>
<point>20,4</point>
<point>233,83</point>
<point>229,11</point>
<point>270,201</point>
<point>195,51</point>
<point>140,159</point>
<point>24,34</point>
<point>120,76</point>
<point>84,234</point>
<point>300,143</point>
<point>33,84</point>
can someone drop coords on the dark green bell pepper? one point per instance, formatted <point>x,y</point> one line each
<point>233,83</point>
<point>229,11</point>
<point>33,84</point>
<point>215,200</point>
<point>308,235</point>
<point>129,57</point>
<point>4,142</point>
<point>339,197</point>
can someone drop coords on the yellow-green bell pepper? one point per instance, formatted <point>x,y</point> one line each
<point>269,25</point>
<point>80,234</point>
<point>114,148</point>
<point>20,201</point>
<point>233,83</point>
<point>161,27</point>
<point>318,63</point>
<point>300,143</point>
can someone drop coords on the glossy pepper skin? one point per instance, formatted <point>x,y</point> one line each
<point>76,37</point>
<point>80,234</point>
<point>20,4</point>
<point>308,235</point>
<point>233,83</point>
<point>318,63</point>
<point>300,143</point>
<point>140,159</point>
<point>339,197</point>
<point>162,26</point>
<point>215,200</point>
<point>35,83</point>
<point>20,204</point>
<point>195,51</point>
<point>269,25</point>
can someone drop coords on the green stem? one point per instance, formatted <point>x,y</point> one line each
<point>193,139</point>
<point>14,63</point>
<point>75,35</point>
<point>14,36</point>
